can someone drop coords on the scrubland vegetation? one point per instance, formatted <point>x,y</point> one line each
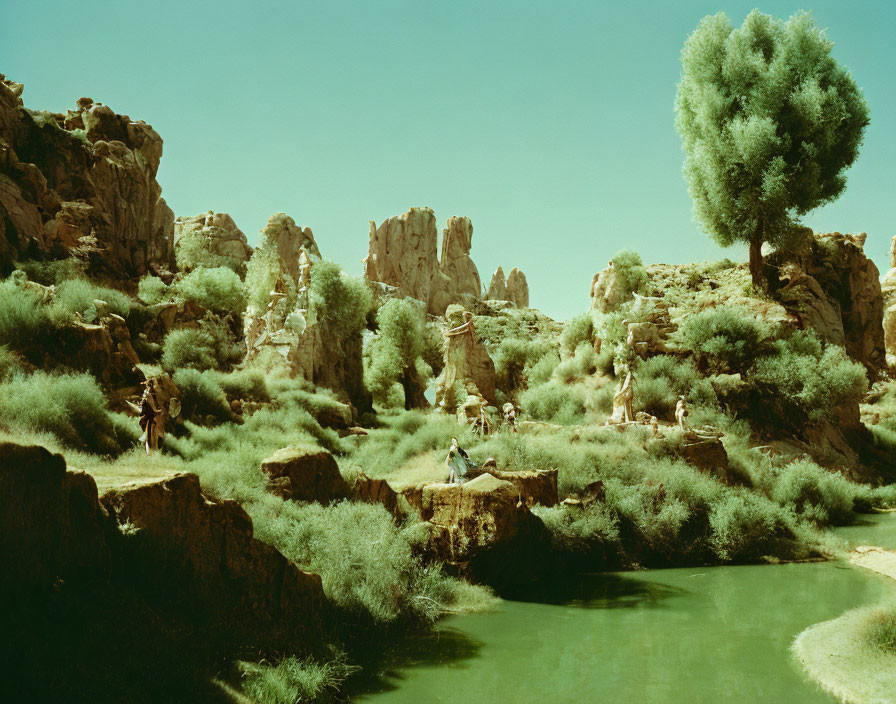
<point>741,375</point>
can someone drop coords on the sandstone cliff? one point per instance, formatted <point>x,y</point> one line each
<point>81,183</point>
<point>211,240</point>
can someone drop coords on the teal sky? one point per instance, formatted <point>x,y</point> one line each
<point>549,124</point>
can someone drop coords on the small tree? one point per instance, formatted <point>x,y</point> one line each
<point>396,353</point>
<point>769,122</point>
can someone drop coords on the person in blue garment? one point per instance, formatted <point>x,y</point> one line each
<point>459,463</point>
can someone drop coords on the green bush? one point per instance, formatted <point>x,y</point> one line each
<point>365,562</point>
<point>727,338</point>
<point>293,680</point>
<point>577,330</point>
<point>341,301</point>
<point>152,290</point>
<point>743,526</point>
<point>660,380</point>
<point>217,289</point>
<point>201,395</point>
<point>816,494</point>
<point>582,364</point>
<point>630,272</point>
<point>555,402</point>
<point>191,252</point>
<point>798,375</point>
<point>880,630</point>
<point>515,361</point>
<point>398,346</point>
<point>76,296</point>
<point>24,320</point>
<point>70,406</point>
<point>583,530</point>
<point>9,363</point>
<point>262,274</point>
<point>49,273</point>
<point>189,347</point>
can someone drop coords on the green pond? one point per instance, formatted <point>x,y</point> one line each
<point>717,634</point>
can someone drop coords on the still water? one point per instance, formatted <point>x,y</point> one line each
<point>719,634</point>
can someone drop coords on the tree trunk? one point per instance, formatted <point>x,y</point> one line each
<point>413,389</point>
<point>756,263</point>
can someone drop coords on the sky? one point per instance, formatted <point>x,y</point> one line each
<point>549,124</point>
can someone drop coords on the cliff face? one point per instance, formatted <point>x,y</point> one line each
<point>82,183</point>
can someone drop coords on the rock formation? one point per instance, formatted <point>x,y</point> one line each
<point>607,290</point>
<point>83,183</point>
<point>210,239</point>
<point>831,287</point>
<point>305,474</point>
<point>455,262</point>
<point>289,239</point>
<point>402,258</point>
<point>497,287</point>
<point>513,288</point>
<point>403,254</point>
<point>468,363</point>
<point>888,292</point>
<point>518,288</point>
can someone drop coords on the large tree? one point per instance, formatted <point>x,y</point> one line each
<point>770,122</point>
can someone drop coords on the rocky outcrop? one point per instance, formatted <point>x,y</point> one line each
<point>608,291</point>
<point>497,287</point>
<point>200,552</point>
<point>289,239</point>
<point>210,240</point>
<point>468,365</point>
<point>403,254</point>
<point>482,527</point>
<point>51,525</point>
<point>537,486</point>
<point>888,292</point>
<point>83,183</point>
<point>456,263</point>
<point>706,454</point>
<point>518,288</point>
<point>304,474</point>
<point>831,287</point>
<point>402,260</point>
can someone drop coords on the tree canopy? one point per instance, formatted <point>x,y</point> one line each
<point>769,122</point>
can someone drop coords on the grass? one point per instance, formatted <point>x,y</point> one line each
<point>294,680</point>
<point>844,656</point>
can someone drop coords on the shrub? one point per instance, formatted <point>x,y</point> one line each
<point>53,272</point>
<point>201,395</point>
<point>816,494</point>
<point>660,380</point>
<point>799,376</point>
<point>515,358</point>
<point>880,630</point>
<point>743,526</point>
<point>582,364</point>
<point>341,301</point>
<point>77,296</point>
<point>365,562</point>
<point>192,252</point>
<point>189,347</point>
<point>293,680</point>
<point>217,289</point>
<point>70,406</point>
<point>398,347</point>
<point>152,290</point>
<point>727,338</point>
<point>24,320</point>
<point>9,363</point>
<point>433,352</point>
<point>581,529</point>
<point>262,273</point>
<point>630,272</point>
<point>577,330</point>
<point>555,402</point>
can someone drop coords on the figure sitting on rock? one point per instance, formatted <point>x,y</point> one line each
<point>459,463</point>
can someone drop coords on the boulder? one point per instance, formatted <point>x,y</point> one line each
<point>888,293</point>
<point>536,486</point>
<point>211,240</point>
<point>456,263</point>
<point>305,474</point>
<point>706,454</point>
<point>829,285</point>
<point>84,184</point>
<point>486,529</point>
<point>518,288</point>
<point>199,552</point>
<point>51,526</point>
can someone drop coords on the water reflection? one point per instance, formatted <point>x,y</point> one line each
<point>601,590</point>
